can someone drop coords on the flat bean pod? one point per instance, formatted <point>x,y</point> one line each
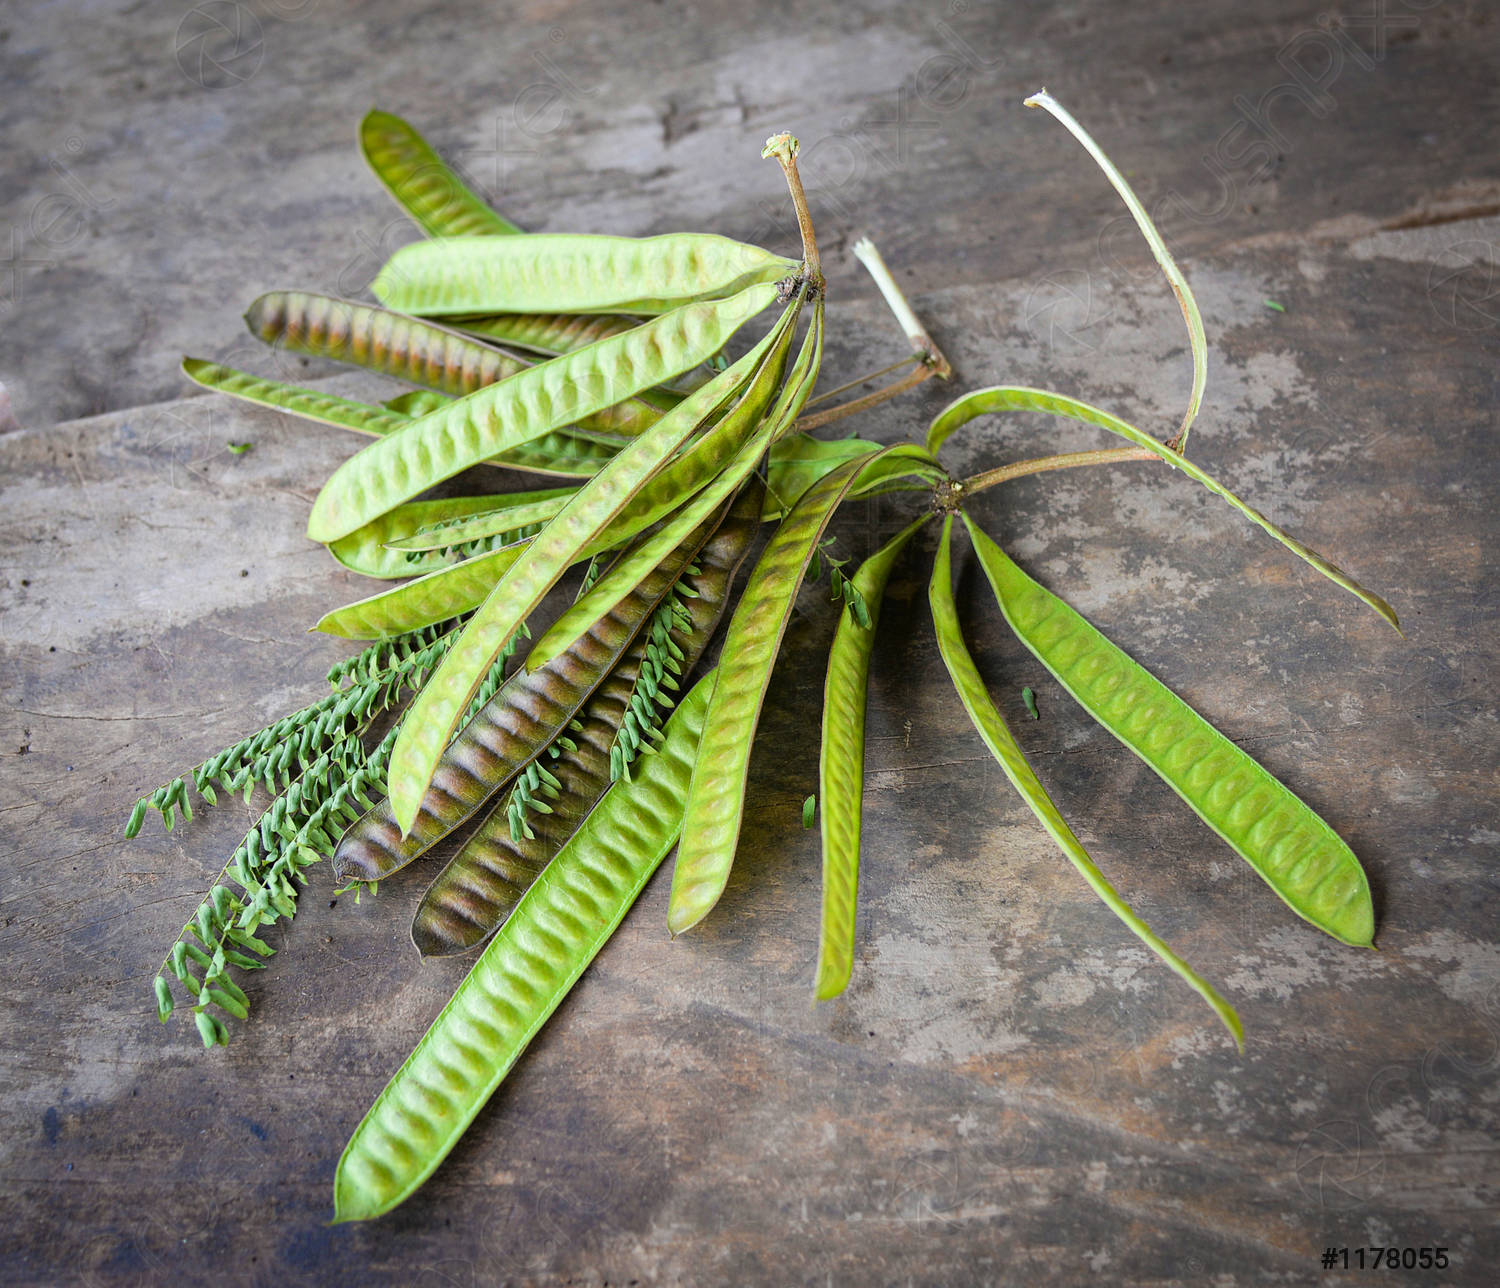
<point>328,409</point>
<point>528,712</point>
<point>407,348</point>
<point>841,764</point>
<point>1295,852</point>
<point>561,453</point>
<point>998,738</point>
<point>566,539</point>
<point>422,184</point>
<point>531,403</point>
<point>1023,398</point>
<point>525,971</point>
<point>716,802</point>
<point>478,890</point>
<point>704,479</point>
<point>550,334</point>
<point>571,273</point>
<point>374,550</point>
<point>565,452</point>
<point>434,597</point>
<point>505,513</point>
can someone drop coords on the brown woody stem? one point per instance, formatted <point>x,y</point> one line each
<point>785,148</point>
<point>831,414</point>
<point>865,379</point>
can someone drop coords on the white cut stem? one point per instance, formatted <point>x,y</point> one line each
<point>866,252</point>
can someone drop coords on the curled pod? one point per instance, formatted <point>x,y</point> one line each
<point>476,892</point>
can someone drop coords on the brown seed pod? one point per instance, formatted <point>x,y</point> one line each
<point>407,348</point>
<point>528,713</point>
<point>475,893</point>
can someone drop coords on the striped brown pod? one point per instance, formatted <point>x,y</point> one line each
<point>546,333</point>
<point>379,340</point>
<point>476,891</point>
<point>523,718</point>
<point>406,348</point>
<point>471,898</point>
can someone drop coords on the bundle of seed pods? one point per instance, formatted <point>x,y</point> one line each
<point>577,757</point>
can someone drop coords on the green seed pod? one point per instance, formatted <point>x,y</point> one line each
<point>560,925</point>
<point>535,402</point>
<point>997,737</point>
<point>1294,851</point>
<point>571,273</point>
<point>419,180</point>
<point>716,801</point>
<point>841,765</point>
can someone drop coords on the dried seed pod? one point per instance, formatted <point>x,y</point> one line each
<point>546,333</point>
<point>477,890</point>
<point>474,894</point>
<point>531,709</point>
<point>408,348</point>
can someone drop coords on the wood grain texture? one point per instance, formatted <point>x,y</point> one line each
<point>1010,1091</point>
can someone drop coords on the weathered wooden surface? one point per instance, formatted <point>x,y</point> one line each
<point>1012,1091</point>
